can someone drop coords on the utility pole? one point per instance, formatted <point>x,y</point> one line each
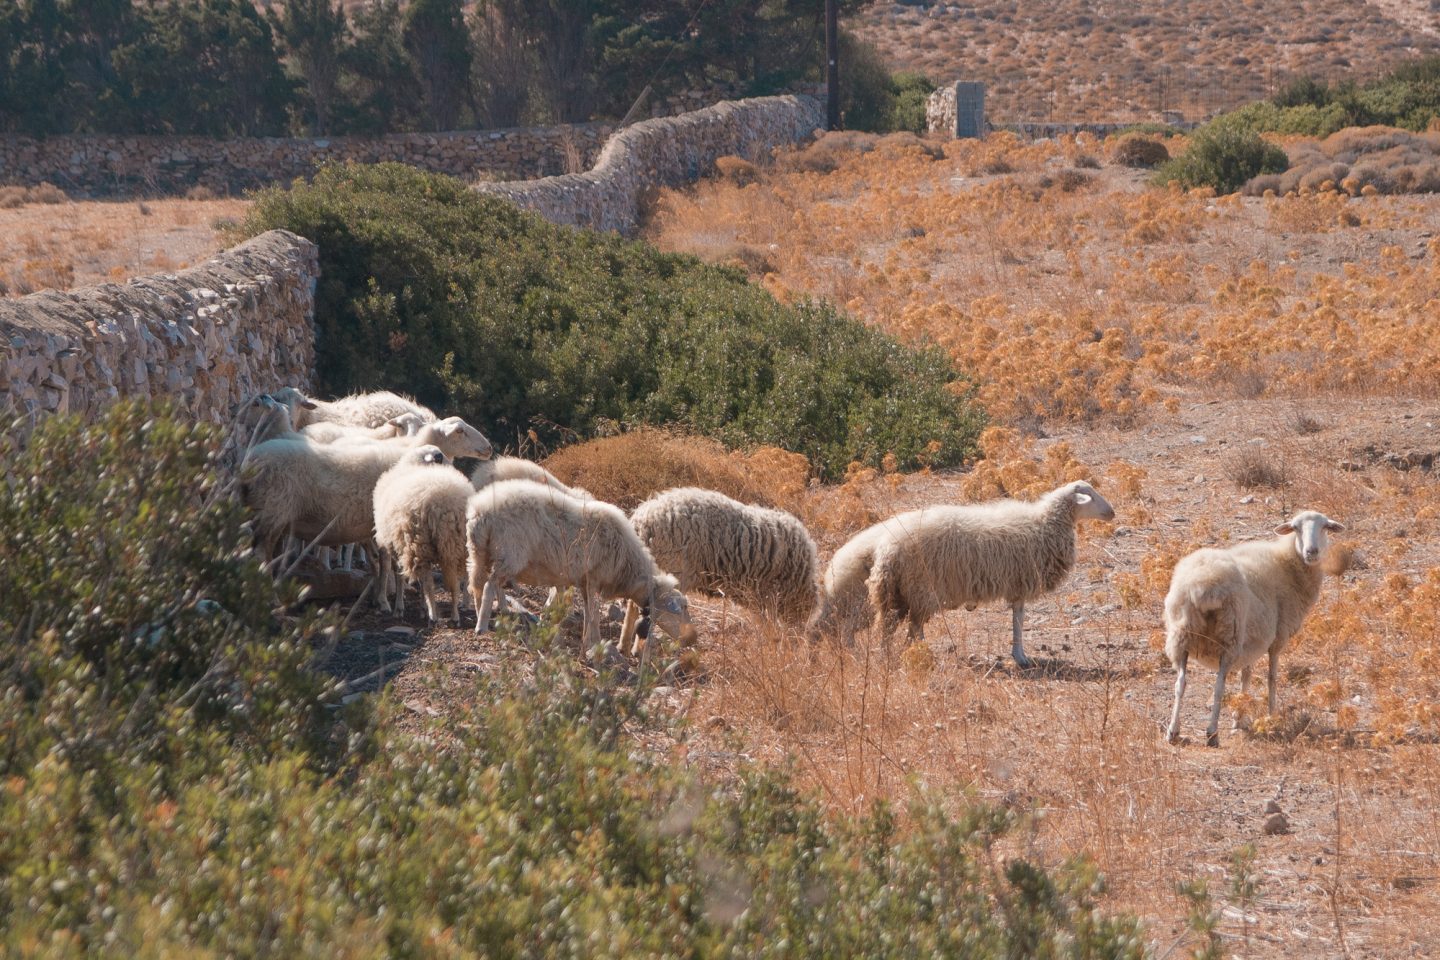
<point>832,64</point>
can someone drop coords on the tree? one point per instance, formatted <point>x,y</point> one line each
<point>501,68</point>
<point>377,82</point>
<point>436,40</point>
<point>313,34</point>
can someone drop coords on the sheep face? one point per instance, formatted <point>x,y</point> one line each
<point>407,424</point>
<point>1089,505</point>
<point>671,610</point>
<point>462,438</point>
<point>1310,528</point>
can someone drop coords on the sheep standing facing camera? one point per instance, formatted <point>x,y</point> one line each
<point>420,524</point>
<point>525,531</point>
<point>753,555</point>
<point>940,558</point>
<point>1228,608</point>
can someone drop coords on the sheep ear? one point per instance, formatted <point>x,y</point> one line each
<point>1082,498</point>
<point>1286,527</point>
<point>447,428</point>
<point>309,404</point>
<point>1334,526</point>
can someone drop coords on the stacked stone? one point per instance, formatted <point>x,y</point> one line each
<point>666,151</point>
<point>109,165</point>
<point>205,338</point>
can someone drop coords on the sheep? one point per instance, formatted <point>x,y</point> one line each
<point>754,555</point>
<point>1229,607</point>
<point>359,409</point>
<point>325,492</point>
<point>420,522</point>
<point>516,468</point>
<point>843,594</point>
<point>521,530</point>
<point>327,431</point>
<point>944,557</point>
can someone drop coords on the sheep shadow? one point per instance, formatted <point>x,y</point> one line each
<point>1050,668</point>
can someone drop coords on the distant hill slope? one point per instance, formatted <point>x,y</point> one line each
<point>1086,60</point>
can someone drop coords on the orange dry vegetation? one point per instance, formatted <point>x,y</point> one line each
<point>1072,296</point>
<point>1075,60</point>
<point>70,244</point>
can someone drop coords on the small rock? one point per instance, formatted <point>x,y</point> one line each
<point>1198,478</point>
<point>1276,824</point>
<point>1198,438</point>
<point>1271,807</point>
<point>402,631</point>
<point>1350,466</point>
<point>1247,499</point>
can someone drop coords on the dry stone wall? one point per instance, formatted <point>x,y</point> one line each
<point>666,151</point>
<point>124,165</point>
<point>205,338</point>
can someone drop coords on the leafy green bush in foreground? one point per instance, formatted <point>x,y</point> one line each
<point>485,311</point>
<point>166,797</point>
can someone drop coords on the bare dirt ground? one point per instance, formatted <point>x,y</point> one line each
<point>1077,744</point>
<point>74,244</point>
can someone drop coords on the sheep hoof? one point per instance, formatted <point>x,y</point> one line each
<point>1172,736</point>
<point>1212,739</point>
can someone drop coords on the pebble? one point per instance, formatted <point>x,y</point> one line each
<point>1276,824</point>
<point>1247,499</point>
<point>401,631</point>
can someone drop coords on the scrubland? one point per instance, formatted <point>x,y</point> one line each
<point>1074,61</point>
<point>1213,364</point>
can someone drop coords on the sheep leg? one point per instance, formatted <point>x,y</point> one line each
<point>382,591</point>
<point>591,624</point>
<point>1172,733</point>
<point>627,632</point>
<point>483,600</point>
<point>1017,627</point>
<point>1240,720</point>
<point>452,583</point>
<point>916,631</point>
<point>1270,677</point>
<point>1212,729</point>
<point>427,587</point>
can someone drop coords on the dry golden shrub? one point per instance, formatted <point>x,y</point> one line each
<point>631,467</point>
<point>1010,467</point>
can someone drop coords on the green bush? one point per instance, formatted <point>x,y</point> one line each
<point>1224,158</point>
<point>487,312</point>
<point>1264,117</point>
<point>911,91</point>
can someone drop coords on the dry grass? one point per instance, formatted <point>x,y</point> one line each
<point>1072,60</point>
<point>1358,161</point>
<point>53,243</point>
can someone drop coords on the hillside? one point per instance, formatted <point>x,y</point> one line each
<point>1072,60</point>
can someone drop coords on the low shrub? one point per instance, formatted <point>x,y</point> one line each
<point>485,311</point>
<point>911,92</point>
<point>1223,158</point>
<point>1359,160</point>
<point>1134,150</point>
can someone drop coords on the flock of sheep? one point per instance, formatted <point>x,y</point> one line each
<point>378,470</point>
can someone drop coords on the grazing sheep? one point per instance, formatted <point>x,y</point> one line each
<point>420,522</point>
<point>1227,608</point>
<point>326,431</point>
<point>844,597</point>
<point>521,530</point>
<point>753,555</point>
<point>945,557</point>
<point>326,490</point>
<point>497,469</point>
<point>358,409</point>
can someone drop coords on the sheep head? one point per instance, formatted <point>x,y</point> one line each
<point>457,438</point>
<point>670,609</point>
<point>1088,503</point>
<point>427,454</point>
<point>1310,528</point>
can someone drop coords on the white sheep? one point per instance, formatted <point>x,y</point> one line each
<point>497,469</point>
<point>420,523</point>
<point>327,431</point>
<point>358,410</point>
<point>945,557</point>
<point>521,530</point>
<point>1228,608</point>
<point>754,555</point>
<point>844,597</point>
<point>325,491</point>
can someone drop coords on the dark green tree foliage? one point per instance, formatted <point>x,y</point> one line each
<point>208,67</point>
<point>493,314</point>
<point>313,35</point>
<point>436,39</point>
<point>378,87</point>
<point>1222,157</point>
